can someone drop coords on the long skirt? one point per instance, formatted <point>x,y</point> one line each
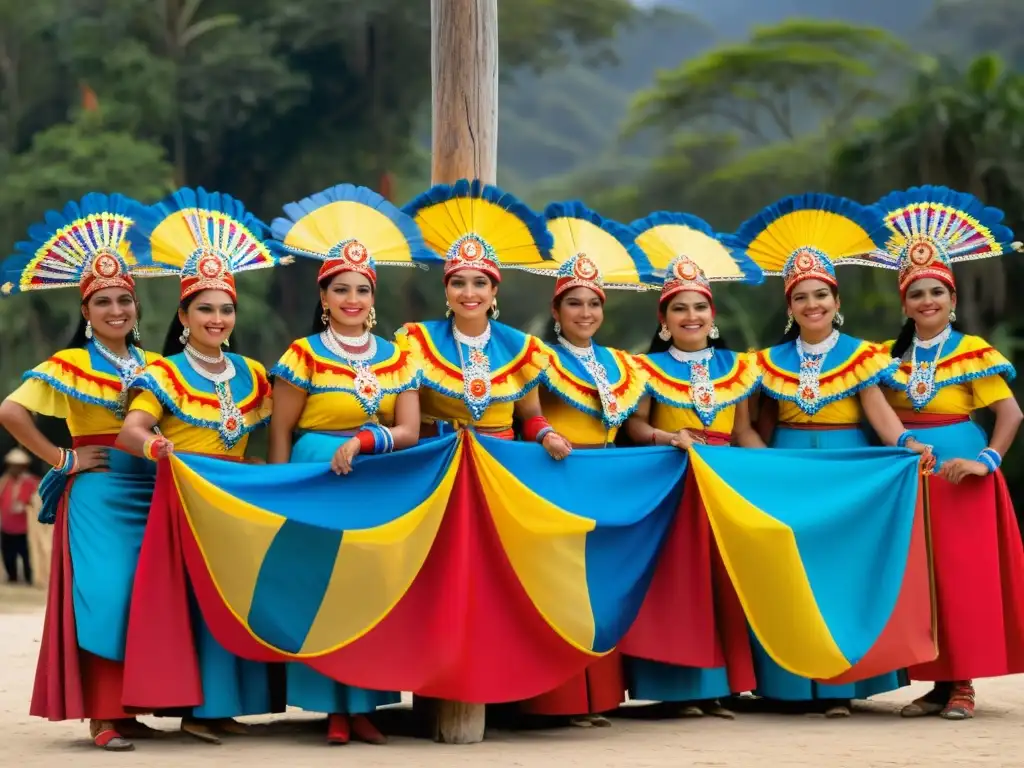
<point>99,520</point>
<point>978,563</point>
<point>307,688</point>
<point>772,680</point>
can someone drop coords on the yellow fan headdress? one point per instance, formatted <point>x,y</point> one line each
<point>479,226</point>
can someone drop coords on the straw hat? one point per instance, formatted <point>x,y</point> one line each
<point>17,456</point>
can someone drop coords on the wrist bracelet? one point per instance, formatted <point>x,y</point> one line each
<point>990,458</point>
<point>901,441</point>
<point>544,432</point>
<point>147,447</point>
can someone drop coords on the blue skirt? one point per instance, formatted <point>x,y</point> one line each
<point>773,681</point>
<point>307,688</point>
<point>657,681</point>
<point>107,514</point>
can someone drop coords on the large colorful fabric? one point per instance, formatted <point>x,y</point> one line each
<point>84,245</point>
<point>333,402</point>
<point>568,379</point>
<point>850,366</point>
<point>517,361</point>
<point>180,399</point>
<point>350,229</point>
<point>733,377</point>
<point>481,227</point>
<point>836,587</point>
<point>674,239</point>
<point>77,385</point>
<point>292,562</point>
<point>204,237</point>
<point>590,251</point>
<point>928,229</point>
<point>970,374</point>
<point>803,237</point>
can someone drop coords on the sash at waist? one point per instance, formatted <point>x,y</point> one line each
<point>912,419</point>
<point>817,427</point>
<point>83,440</point>
<point>710,436</point>
<point>438,428</point>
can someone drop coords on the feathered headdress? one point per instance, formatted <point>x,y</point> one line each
<point>205,237</point>
<point>928,229</point>
<point>350,229</point>
<point>84,245</point>
<point>685,254</point>
<point>479,226</point>
<point>590,251</point>
<point>804,236</point>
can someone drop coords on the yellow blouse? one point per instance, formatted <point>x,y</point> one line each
<point>851,366</point>
<point>337,399</point>
<point>187,409</point>
<point>733,376</point>
<point>572,403</point>
<point>969,375</point>
<point>516,361</point>
<point>78,385</point>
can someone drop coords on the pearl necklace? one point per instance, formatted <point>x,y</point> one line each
<point>476,376</point>
<point>587,357</point>
<point>702,389</point>
<point>812,357</point>
<point>230,429</point>
<point>921,384</point>
<point>127,369</point>
<point>366,385</point>
<point>196,354</point>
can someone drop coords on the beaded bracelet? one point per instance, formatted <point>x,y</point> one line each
<point>68,462</point>
<point>383,441</point>
<point>990,458</point>
<point>901,441</point>
<point>544,432</point>
<point>147,447</point>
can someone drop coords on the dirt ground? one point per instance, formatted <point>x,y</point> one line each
<point>875,737</point>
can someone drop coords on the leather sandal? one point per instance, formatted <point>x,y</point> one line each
<point>715,709</point>
<point>105,736</point>
<point>200,729</point>
<point>131,728</point>
<point>600,721</point>
<point>961,703</point>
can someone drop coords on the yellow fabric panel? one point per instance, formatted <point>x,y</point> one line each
<point>763,561</point>
<point>574,425</point>
<point>671,419</point>
<point>39,397</point>
<point>836,235</point>
<point>573,236</point>
<point>663,243</point>
<point>546,547</point>
<point>187,438</point>
<point>219,521</point>
<point>437,407</point>
<point>341,220</point>
<point>989,390</point>
<point>374,569</point>
<point>339,411</point>
<point>845,411</point>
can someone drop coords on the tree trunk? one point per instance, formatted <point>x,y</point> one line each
<point>464,80</point>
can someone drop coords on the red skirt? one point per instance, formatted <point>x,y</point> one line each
<point>599,688</point>
<point>72,684</point>
<point>978,562</point>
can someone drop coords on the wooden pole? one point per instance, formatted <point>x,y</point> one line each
<point>464,87</point>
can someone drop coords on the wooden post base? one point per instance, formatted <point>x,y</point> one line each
<point>450,722</point>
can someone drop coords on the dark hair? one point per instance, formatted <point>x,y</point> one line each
<point>172,342</point>
<point>794,330</point>
<point>79,339</point>
<point>906,338</point>
<point>318,324</point>
<point>659,344</point>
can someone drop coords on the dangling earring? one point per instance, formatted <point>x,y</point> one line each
<point>324,317</point>
<point>494,310</point>
<point>789,323</point>
<point>184,336</point>
<point>447,309</point>
<point>839,319</point>
<point>227,342</point>
<point>952,315</point>
<point>713,333</point>
<point>371,318</point>
<point>558,328</point>
<point>88,329</point>
<point>136,334</point>
<point>664,334</point>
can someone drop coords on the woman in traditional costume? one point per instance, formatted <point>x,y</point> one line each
<point>820,383</point>
<point>588,392</point>
<point>943,377</point>
<point>96,496</point>
<point>202,400</point>
<point>698,392</point>
<point>342,391</point>
<point>477,372</point>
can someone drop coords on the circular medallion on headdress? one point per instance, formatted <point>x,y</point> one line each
<point>921,251</point>
<point>356,252</point>
<point>684,269</point>
<point>210,266</point>
<point>106,265</point>
<point>805,260</point>
<point>471,249</point>
<point>585,269</point>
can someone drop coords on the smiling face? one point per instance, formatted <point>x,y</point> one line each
<point>210,319</point>
<point>813,305</point>
<point>689,316</point>
<point>348,298</point>
<point>928,303</point>
<point>470,294</point>
<point>113,313</point>
<point>580,313</point>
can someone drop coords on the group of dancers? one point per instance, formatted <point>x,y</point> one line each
<point>342,392</point>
